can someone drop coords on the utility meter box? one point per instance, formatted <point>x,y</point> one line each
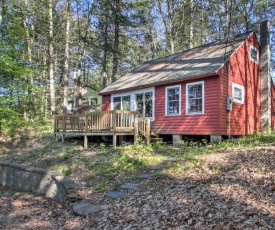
<point>229,101</point>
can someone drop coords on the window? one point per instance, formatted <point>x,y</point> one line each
<point>144,102</point>
<point>254,54</point>
<point>139,100</point>
<point>195,98</point>
<point>121,103</point>
<point>173,100</point>
<point>117,103</point>
<point>238,93</point>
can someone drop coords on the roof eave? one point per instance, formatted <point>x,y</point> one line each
<point>235,51</point>
<point>159,83</point>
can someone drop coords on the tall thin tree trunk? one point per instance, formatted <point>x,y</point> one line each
<point>202,23</point>
<point>191,26</point>
<point>78,81</point>
<point>104,64</point>
<point>1,12</point>
<point>226,19</point>
<point>116,41</point>
<point>51,58</point>
<point>29,42</point>
<point>66,60</point>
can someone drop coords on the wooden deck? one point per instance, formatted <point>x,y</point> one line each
<point>103,123</point>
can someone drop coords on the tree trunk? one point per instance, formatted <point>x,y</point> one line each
<point>50,57</point>
<point>226,32</point>
<point>29,42</point>
<point>201,14</point>
<point>1,12</point>
<point>116,41</point>
<point>78,84</point>
<point>104,63</point>
<point>66,60</point>
<point>191,26</point>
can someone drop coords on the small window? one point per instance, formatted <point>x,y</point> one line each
<point>238,93</point>
<point>254,54</point>
<point>173,102</point>
<point>195,98</point>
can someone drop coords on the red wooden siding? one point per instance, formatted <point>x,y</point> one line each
<point>199,124</point>
<point>106,103</point>
<point>244,118</point>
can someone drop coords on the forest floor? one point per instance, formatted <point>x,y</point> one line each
<point>232,188</point>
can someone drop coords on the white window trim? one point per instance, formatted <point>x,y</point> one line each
<point>133,105</point>
<point>166,100</point>
<point>187,97</point>
<point>255,49</point>
<point>241,87</point>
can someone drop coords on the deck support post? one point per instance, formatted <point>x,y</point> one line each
<point>63,137</point>
<point>114,140</point>
<point>85,142</point>
<point>176,140</point>
<point>136,127</point>
<point>215,139</point>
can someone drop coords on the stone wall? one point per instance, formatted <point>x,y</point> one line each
<point>39,181</point>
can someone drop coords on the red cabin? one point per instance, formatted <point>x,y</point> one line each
<point>212,90</point>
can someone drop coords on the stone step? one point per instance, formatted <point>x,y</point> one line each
<point>115,194</point>
<point>129,185</point>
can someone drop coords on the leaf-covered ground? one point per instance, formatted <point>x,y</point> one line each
<point>233,189</point>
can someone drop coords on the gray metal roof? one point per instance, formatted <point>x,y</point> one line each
<point>202,60</point>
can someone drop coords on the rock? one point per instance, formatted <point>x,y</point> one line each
<point>129,185</point>
<point>145,176</point>
<point>84,208</point>
<point>115,194</point>
<point>170,159</point>
<point>156,167</point>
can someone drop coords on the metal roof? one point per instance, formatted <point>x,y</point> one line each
<point>202,60</point>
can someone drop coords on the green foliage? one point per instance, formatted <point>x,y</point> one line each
<point>67,172</point>
<point>100,187</point>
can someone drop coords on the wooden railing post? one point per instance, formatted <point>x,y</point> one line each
<point>114,120</point>
<point>86,121</point>
<point>148,131</point>
<point>136,127</point>
<point>64,123</point>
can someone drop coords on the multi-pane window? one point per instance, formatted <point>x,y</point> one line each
<point>117,103</point>
<point>144,102</point>
<point>238,93</point>
<point>173,100</point>
<point>148,104</point>
<point>121,103</point>
<point>126,102</point>
<point>140,103</point>
<point>195,98</point>
<point>254,54</point>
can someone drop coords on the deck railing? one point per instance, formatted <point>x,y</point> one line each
<point>115,120</point>
<point>144,127</point>
<point>69,123</point>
